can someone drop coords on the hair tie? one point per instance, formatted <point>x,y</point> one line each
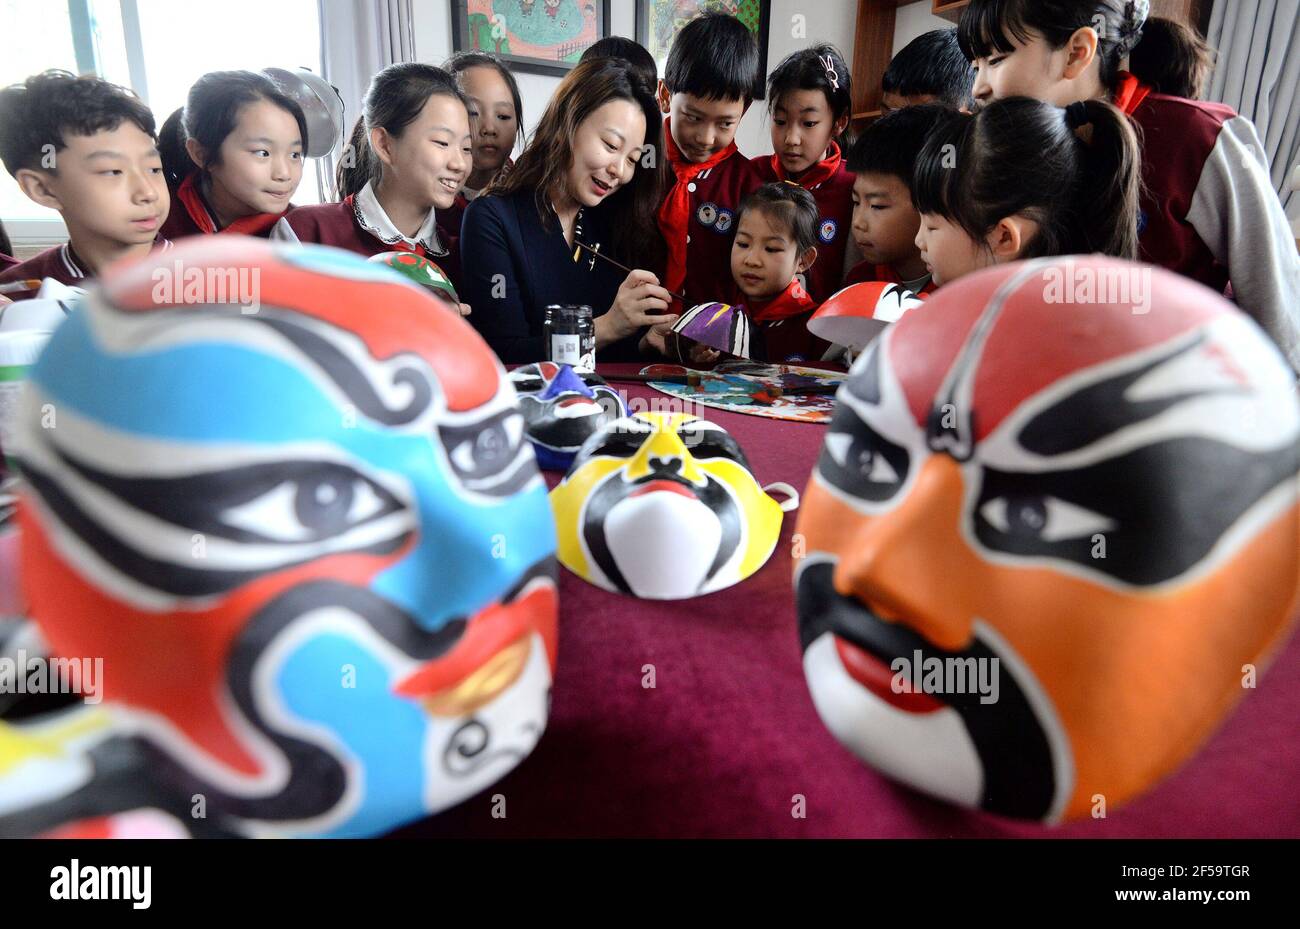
<point>831,74</point>
<point>1076,115</point>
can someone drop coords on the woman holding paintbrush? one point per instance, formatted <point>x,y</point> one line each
<point>574,221</point>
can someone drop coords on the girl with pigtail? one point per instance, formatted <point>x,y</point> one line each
<point>1024,179</point>
<point>1209,210</point>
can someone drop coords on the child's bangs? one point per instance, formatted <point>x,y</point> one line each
<point>935,180</point>
<point>986,28</point>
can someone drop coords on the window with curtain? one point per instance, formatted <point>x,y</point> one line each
<point>156,47</point>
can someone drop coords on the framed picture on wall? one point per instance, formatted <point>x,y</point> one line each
<point>659,21</point>
<point>541,36</point>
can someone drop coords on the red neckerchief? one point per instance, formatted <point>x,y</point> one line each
<point>819,173</point>
<point>192,199</point>
<point>793,301</point>
<point>1130,93</point>
<point>675,213</point>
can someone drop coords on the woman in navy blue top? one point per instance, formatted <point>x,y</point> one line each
<point>580,179</point>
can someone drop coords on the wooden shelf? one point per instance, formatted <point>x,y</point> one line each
<point>949,9</point>
<point>873,47</point>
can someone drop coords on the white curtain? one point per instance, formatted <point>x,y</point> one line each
<point>1258,75</point>
<point>359,38</point>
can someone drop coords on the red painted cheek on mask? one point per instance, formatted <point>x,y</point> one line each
<point>173,663</point>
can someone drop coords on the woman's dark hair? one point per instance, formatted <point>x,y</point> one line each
<point>789,205</point>
<point>545,161</point>
<point>820,67</point>
<point>211,113</point>
<point>1172,58</point>
<point>1075,172</point>
<point>458,64</point>
<point>394,100</point>
<point>988,26</point>
<point>634,53</point>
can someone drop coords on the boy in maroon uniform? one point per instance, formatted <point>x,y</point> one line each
<point>88,149</point>
<point>707,86</point>
<point>885,221</point>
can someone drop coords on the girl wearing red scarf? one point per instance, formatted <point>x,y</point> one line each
<point>233,156</point>
<point>810,104</point>
<point>775,244</point>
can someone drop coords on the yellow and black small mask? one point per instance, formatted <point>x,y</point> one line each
<point>664,506</point>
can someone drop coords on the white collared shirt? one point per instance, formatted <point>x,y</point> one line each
<point>372,218</point>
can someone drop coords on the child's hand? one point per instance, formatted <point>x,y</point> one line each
<point>464,309</point>
<point>702,354</point>
<point>656,339</point>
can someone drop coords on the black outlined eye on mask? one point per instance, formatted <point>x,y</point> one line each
<point>859,461</point>
<point>488,457</point>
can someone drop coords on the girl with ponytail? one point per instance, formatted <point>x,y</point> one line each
<point>407,157</point>
<point>1025,179</point>
<point>1209,209</point>
<point>232,157</point>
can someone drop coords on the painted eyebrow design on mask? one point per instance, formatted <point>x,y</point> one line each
<point>709,441</point>
<point>955,435</point>
<point>1102,409</point>
<point>179,576</point>
<point>354,381</point>
<point>1157,530</point>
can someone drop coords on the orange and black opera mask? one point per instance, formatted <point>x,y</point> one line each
<point>1047,537</point>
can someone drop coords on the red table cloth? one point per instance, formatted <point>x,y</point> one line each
<point>727,740</point>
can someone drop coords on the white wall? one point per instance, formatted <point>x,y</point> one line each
<point>915,20</point>
<point>794,24</point>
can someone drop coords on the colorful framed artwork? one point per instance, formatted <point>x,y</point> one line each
<point>659,21</point>
<point>542,36</point>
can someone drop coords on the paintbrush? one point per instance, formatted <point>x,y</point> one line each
<point>690,380</point>
<point>595,253</point>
